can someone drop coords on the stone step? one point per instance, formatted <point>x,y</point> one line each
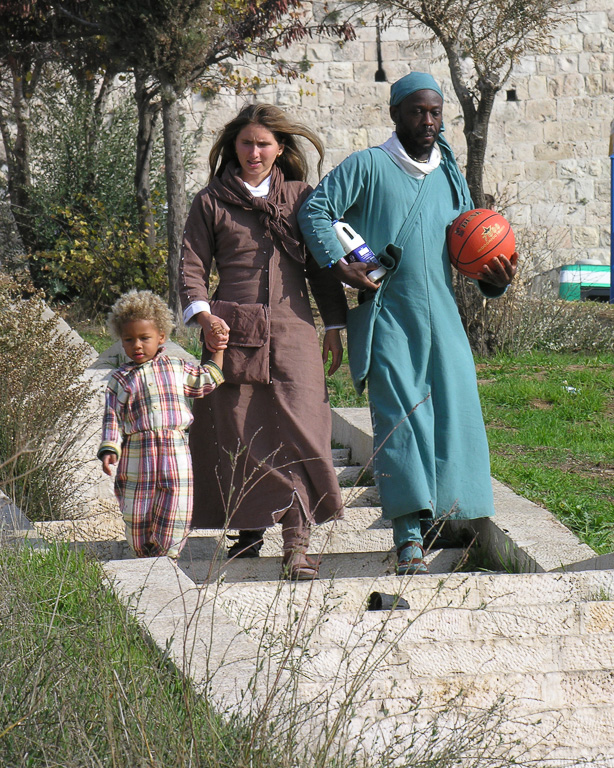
<point>360,496</point>
<point>501,594</point>
<point>349,476</point>
<point>341,456</point>
<point>361,566</point>
<point>409,681</point>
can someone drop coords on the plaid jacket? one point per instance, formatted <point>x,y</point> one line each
<point>153,396</point>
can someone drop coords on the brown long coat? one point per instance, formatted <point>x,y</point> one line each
<point>256,447</point>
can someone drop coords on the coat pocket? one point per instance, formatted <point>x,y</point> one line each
<point>246,359</point>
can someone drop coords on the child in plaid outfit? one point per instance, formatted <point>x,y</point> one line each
<point>145,421</point>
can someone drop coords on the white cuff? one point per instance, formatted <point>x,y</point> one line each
<point>193,309</point>
<point>334,327</point>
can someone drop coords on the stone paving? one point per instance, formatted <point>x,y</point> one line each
<point>525,658</point>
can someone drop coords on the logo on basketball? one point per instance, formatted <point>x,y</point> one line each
<point>476,237</point>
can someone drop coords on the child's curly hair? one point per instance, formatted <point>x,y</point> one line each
<point>140,305</point>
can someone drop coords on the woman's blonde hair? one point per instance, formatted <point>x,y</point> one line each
<point>140,305</point>
<point>292,160</point>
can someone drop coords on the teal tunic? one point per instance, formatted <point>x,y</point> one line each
<point>408,342</point>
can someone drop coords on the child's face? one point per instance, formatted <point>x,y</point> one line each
<point>141,339</point>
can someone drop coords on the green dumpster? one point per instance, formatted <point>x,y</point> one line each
<point>578,282</point>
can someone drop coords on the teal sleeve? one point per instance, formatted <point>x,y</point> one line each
<point>338,191</point>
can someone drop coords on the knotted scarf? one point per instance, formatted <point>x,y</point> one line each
<point>229,188</point>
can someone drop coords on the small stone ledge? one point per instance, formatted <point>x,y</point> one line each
<point>15,528</point>
<point>521,535</point>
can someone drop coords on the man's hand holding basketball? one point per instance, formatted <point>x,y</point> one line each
<point>500,270</point>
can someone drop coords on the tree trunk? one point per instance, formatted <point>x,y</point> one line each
<point>476,135</point>
<point>175,189</point>
<point>475,117</point>
<point>148,117</point>
<point>17,152</point>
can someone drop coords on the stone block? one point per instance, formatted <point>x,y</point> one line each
<point>539,171</point>
<point>331,94</point>
<point>553,150</point>
<point>592,23</point>
<point>588,130</point>
<point>586,237</point>
<point>598,617</point>
<point>395,33</point>
<point>594,84</point>
<point>537,88</point>
<point>309,98</point>
<point>571,42</point>
<point>350,51</point>
<point>319,52</point>
<point>523,153</point>
<point>595,62</point>
<point>478,657</point>
<point>518,131</point>
<point>287,96</point>
<point>539,110</point>
<point>587,652</point>
<point>597,212</point>
<point>546,65</point>
<point>586,689</point>
<point>567,63</point>
<point>598,43</point>
<point>584,190</point>
<point>341,70</point>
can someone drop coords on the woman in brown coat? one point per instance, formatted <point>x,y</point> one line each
<point>261,443</point>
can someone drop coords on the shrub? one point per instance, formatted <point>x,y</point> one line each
<point>83,145</point>
<point>43,406</point>
<point>98,257</point>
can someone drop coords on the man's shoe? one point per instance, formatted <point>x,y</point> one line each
<point>411,560</point>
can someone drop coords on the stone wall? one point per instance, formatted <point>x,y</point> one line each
<point>547,161</point>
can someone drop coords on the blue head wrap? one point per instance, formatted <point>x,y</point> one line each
<point>415,81</point>
<point>422,81</point>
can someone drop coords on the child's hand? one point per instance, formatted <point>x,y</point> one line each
<point>107,460</point>
<point>221,332</point>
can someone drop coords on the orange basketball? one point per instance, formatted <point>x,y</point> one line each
<point>475,237</point>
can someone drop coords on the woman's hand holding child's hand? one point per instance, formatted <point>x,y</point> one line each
<point>218,330</point>
<point>215,331</point>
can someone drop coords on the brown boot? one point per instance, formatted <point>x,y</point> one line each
<point>295,530</point>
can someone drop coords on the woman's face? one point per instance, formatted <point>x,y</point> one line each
<point>257,149</point>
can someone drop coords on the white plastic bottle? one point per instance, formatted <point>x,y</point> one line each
<point>357,250</point>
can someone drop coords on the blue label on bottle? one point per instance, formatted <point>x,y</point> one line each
<point>363,253</point>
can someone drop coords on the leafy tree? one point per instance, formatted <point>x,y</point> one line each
<point>175,45</point>
<point>482,40</point>
<point>33,37</point>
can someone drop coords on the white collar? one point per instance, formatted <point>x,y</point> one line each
<point>418,170</point>
<point>262,190</point>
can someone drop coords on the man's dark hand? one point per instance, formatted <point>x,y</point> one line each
<point>499,271</point>
<point>355,274</point>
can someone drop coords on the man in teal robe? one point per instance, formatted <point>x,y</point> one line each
<point>406,339</point>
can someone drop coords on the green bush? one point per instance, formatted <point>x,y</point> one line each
<point>83,146</point>
<point>98,257</point>
<point>43,406</point>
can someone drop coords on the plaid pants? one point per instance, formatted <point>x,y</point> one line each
<point>154,488</point>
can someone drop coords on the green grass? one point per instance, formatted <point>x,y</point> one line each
<point>80,686</point>
<point>341,390</point>
<point>550,425</point>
